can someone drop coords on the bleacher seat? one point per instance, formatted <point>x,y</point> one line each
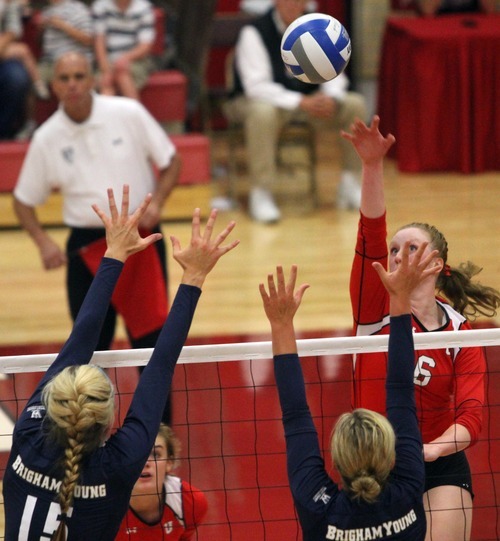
<point>165,95</point>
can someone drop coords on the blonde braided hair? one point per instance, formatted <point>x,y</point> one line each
<point>80,407</point>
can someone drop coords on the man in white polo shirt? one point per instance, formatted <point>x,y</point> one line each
<point>92,143</point>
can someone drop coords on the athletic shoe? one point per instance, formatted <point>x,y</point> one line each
<point>262,206</point>
<point>348,192</point>
<point>41,90</point>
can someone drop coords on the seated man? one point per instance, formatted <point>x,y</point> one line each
<point>266,96</point>
<point>436,7</point>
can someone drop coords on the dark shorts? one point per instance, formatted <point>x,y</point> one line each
<point>449,470</point>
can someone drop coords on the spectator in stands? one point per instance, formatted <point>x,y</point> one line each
<point>66,26</point>
<point>438,7</point>
<point>15,80</point>
<point>162,502</point>
<point>90,143</point>
<point>18,50</point>
<point>266,96</point>
<point>124,36</point>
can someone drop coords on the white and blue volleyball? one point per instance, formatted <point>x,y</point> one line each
<point>316,48</point>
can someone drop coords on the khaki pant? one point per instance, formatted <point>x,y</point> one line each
<point>262,124</point>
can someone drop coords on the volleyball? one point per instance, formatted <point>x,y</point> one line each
<point>316,48</point>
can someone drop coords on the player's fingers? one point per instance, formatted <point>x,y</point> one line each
<point>280,278</point>
<point>405,254</point>
<point>151,239</point>
<point>141,209</point>
<point>270,285</point>
<point>210,225</point>
<point>112,204</point>
<point>426,261</point>
<point>176,245</point>
<point>125,201</point>
<point>102,215</point>
<point>195,224</point>
<point>292,279</point>
<point>420,250</point>
<point>300,292</point>
<point>263,293</point>
<point>390,140</point>
<point>224,233</point>
<point>379,269</point>
<point>225,249</point>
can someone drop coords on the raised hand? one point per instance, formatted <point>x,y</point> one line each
<point>122,234</point>
<point>369,143</point>
<point>202,253</point>
<point>281,304</point>
<point>408,275</point>
<point>282,301</point>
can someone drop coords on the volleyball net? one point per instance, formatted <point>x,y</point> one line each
<point>227,416</point>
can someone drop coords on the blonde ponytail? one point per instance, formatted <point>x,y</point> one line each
<point>363,448</point>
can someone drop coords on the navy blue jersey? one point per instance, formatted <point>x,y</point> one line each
<point>33,475</point>
<point>324,510</point>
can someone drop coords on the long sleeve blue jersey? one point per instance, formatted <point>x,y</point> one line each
<point>324,510</point>
<point>33,475</point>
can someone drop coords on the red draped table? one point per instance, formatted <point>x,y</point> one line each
<point>439,92</point>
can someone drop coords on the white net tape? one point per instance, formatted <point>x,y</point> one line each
<point>262,350</point>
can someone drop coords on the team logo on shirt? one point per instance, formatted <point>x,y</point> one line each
<point>36,411</point>
<point>322,496</point>
<point>68,154</point>
<point>168,527</point>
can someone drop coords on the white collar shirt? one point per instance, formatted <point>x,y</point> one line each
<point>120,143</point>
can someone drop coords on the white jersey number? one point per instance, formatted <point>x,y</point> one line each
<point>51,522</point>
<point>422,375</point>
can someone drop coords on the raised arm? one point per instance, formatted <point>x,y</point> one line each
<point>280,305</point>
<point>123,240</point>
<point>197,259</point>
<point>400,283</point>
<point>371,147</point>
<point>122,234</point>
<point>306,471</point>
<point>203,252</point>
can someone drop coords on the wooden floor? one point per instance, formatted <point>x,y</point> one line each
<point>465,207</point>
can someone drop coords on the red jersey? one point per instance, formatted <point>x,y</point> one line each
<point>449,383</point>
<point>184,509</point>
